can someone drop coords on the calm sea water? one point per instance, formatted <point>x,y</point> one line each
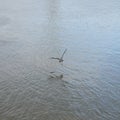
<point>31,32</point>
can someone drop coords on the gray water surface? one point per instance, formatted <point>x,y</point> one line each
<point>33,31</point>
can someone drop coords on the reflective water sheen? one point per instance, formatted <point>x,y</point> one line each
<point>33,31</point>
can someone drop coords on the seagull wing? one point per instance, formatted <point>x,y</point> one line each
<point>63,54</point>
<point>55,58</point>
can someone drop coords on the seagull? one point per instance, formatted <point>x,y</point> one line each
<point>61,58</point>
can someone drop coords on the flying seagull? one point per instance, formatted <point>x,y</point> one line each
<point>61,58</point>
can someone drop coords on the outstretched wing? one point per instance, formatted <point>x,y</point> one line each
<point>63,54</point>
<point>55,58</point>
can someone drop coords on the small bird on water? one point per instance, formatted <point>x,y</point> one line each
<point>61,58</point>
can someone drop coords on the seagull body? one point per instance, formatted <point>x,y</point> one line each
<point>61,58</point>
